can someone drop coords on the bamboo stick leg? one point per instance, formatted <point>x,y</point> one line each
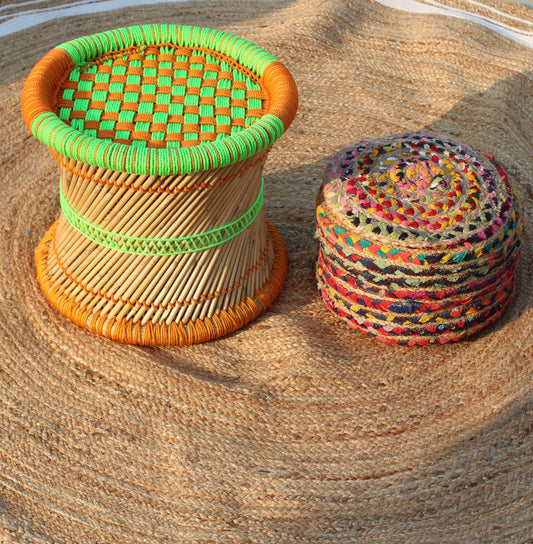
<point>143,181</point>
<point>225,208</point>
<point>157,316</point>
<point>76,167</point>
<point>261,237</point>
<point>82,250</point>
<point>66,179</point>
<point>225,282</point>
<point>214,285</point>
<point>72,184</point>
<point>166,182</point>
<point>193,182</point>
<point>69,255</point>
<point>91,281</point>
<point>190,214</point>
<point>124,287</point>
<point>231,297</point>
<point>146,220</point>
<point>164,285</point>
<point>185,218</point>
<point>105,307</point>
<point>217,305</point>
<point>231,276</point>
<point>255,231</point>
<point>99,174</point>
<point>138,287</point>
<point>60,236</point>
<point>266,269</point>
<point>181,287</point>
<point>116,197</point>
<point>122,214</point>
<point>97,196</point>
<point>89,192</point>
<point>132,273</point>
<point>212,289</point>
<point>146,285</point>
<point>89,302</point>
<point>186,274</point>
<point>145,217</point>
<point>166,295</point>
<point>203,285</point>
<point>172,293</point>
<point>83,256</point>
<point>149,292</point>
<point>185,214</point>
<point>247,272</point>
<point>245,265</point>
<point>108,201</point>
<point>156,292</point>
<point>79,185</point>
<point>188,181</point>
<point>105,278</point>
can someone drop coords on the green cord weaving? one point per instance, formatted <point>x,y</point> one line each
<point>160,246</point>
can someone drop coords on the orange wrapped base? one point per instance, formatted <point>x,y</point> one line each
<point>152,333</point>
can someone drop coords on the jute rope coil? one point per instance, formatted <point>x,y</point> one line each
<point>160,133</point>
<point>297,428</point>
<point>418,239</point>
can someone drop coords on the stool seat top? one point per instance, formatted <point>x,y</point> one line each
<point>159,99</point>
<point>160,96</point>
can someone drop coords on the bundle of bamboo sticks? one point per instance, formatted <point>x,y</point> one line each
<point>165,289</point>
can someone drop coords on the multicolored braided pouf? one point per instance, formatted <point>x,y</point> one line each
<point>418,239</point>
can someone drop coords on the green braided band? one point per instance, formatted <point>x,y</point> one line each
<point>245,53</point>
<point>69,142</point>
<point>160,246</point>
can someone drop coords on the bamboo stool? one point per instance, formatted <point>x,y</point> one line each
<point>160,133</point>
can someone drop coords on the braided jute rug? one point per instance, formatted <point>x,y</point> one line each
<point>297,428</point>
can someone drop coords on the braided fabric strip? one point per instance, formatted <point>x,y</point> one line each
<point>419,239</point>
<point>160,246</point>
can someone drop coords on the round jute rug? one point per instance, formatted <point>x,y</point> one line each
<point>295,428</point>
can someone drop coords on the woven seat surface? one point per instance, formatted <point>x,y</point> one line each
<point>160,96</point>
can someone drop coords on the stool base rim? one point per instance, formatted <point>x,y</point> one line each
<point>161,334</point>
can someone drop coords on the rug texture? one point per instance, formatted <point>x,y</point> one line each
<point>297,428</point>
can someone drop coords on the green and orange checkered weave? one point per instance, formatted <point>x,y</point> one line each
<point>160,133</point>
<point>419,239</point>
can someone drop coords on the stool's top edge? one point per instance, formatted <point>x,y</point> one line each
<point>248,61</point>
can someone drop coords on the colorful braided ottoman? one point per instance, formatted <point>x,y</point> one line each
<point>419,239</point>
<point>160,133</point>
